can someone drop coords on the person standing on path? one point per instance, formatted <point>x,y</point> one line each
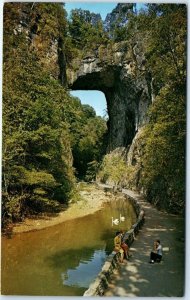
<point>156,255</point>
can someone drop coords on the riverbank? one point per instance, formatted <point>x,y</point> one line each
<point>62,260</point>
<point>91,200</point>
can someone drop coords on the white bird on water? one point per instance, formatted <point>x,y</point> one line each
<point>122,219</point>
<point>116,221</point>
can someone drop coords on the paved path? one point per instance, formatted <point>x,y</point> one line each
<point>139,278</point>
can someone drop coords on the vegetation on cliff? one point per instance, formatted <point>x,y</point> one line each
<point>158,164</point>
<point>44,128</point>
<point>163,161</point>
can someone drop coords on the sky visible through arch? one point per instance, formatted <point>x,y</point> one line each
<point>96,99</point>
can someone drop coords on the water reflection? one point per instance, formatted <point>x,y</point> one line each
<point>86,271</point>
<point>62,260</point>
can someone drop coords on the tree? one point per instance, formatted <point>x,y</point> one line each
<point>163,173</point>
<point>86,30</point>
<point>37,159</point>
<point>88,137</point>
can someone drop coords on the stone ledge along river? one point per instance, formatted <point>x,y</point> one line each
<point>64,259</point>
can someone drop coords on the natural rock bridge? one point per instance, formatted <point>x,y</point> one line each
<point>121,75</point>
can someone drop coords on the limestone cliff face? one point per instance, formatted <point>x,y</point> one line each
<point>120,72</point>
<point>119,15</point>
<point>42,27</point>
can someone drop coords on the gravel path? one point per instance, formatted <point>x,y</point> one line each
<point>139,278</point>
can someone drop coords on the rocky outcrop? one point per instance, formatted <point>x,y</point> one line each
<point>42,27</point>
<point>119,16</point>
<point>119,72</point>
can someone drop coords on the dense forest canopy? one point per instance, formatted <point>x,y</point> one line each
<point>50,139</point>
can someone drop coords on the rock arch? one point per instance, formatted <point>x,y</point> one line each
<point>122,77</point>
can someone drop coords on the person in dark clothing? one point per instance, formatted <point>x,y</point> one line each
<point>156,254</point>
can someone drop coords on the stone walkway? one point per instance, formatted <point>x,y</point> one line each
<point>138,278</point>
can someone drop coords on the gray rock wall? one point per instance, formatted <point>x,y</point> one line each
<point>118,71</point>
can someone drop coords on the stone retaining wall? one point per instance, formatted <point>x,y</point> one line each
<point>98,286</point>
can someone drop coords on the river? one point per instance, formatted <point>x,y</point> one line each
<point>63,259</point>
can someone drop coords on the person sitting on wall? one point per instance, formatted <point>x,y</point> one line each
<point>124,246</point>
<point>117,245</point>
<point>156,254</point>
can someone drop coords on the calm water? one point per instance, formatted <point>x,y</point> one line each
<point>62,260</point>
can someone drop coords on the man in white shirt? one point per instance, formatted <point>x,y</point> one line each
<point>156,255</point>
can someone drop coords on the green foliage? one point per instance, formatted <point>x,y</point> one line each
<point>85,32</point>
<point>32,178</point>
<point>43,126</point>
<point>38,204</point>
<point>92,169</point>
<point>165,29</point>
<point>88,137</point>
<point>113,169</point>
<point>163,175</point>
<point>36,142</point>
<point>120,34</point>
<point>160,171</point>
<point>48,135</point>
<point>33,124</point>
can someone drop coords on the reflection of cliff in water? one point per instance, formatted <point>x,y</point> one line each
<point>88,269</point>
<point>78,267</point>
<point>69,259</point>
<point>108,238</point>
